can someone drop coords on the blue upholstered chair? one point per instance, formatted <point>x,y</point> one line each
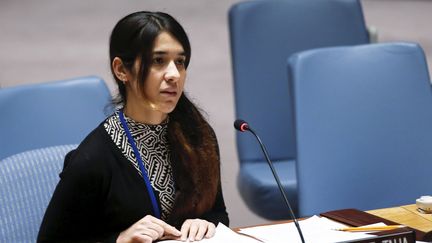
<point>263,34</point>
<point>53,113</point>
<point>27,181</point>
<point>363,120</point>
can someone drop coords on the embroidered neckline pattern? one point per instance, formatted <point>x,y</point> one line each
<point>152,142</point>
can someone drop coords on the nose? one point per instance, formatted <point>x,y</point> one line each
<point>172,73</point>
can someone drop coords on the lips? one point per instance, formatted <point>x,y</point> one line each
<point>169,92</point>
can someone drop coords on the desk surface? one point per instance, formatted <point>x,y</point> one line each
<point>406,215</point>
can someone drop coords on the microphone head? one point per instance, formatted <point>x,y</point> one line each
<point>241,125</point>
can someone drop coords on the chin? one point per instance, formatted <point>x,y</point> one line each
<point>167,108</point>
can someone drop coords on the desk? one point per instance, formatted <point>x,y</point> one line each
<point>406,215</point>
<point>321,230</point>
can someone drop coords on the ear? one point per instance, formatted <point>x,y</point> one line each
<point>119,69</point>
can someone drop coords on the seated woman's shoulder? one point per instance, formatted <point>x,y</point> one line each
<point>93,153</point>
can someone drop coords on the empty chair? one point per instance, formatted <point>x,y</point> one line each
<point>27,181</point>
<point>263,34</point>
<point>52,113</point>
<point>363,120</point>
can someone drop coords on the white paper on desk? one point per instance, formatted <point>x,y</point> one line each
<point>315,230</point>
<point>223,234</point>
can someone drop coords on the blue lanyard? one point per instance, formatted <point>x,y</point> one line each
<point>141,166</point>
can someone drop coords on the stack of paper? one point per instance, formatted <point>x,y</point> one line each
<point>223,235</point>
<point>315,229</point>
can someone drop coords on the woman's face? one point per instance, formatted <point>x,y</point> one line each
<point>165,81</point>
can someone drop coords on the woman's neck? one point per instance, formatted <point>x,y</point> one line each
<point>144,114</point>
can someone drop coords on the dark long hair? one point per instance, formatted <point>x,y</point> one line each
<point>192,140</point>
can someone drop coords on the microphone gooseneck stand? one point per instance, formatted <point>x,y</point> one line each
<point>242,126</point>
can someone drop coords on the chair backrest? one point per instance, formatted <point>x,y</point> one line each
<point>27,181</point>
<point>53,113</point>
<point>363,120</point>
<point>263,34</point>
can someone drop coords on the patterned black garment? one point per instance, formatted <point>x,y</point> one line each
<point>101,193</point>
<point>152,143</point>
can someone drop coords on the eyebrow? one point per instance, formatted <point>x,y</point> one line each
<point>165,53</point>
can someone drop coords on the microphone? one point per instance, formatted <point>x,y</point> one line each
<point>243,126</point>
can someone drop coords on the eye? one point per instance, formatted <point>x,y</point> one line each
<point>158,60</point>
<point>180,62</point>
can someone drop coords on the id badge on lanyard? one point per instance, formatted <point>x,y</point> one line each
<point>143,170</point>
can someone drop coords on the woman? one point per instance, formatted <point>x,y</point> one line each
<point>151,170</point>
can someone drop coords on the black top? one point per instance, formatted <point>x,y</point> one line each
<point>101,194</point>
